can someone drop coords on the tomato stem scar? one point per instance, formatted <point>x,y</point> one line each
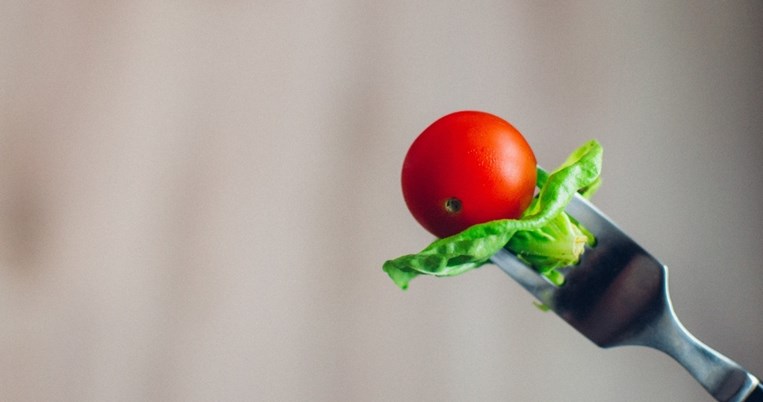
<point>453,205</point>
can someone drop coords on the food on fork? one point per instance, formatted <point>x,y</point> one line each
<point>470,178</point>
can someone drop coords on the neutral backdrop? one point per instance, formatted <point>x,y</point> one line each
<point>196,197</point>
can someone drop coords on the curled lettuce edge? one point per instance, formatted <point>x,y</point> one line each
<point>474,246</point>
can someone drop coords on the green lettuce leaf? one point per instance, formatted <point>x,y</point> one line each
<point>547,238</point>
<point>557,244</point>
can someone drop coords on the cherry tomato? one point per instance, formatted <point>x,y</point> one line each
<point>466,168</point>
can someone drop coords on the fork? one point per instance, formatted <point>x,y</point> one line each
<point>618,295</point>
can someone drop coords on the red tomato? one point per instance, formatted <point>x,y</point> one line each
<point>466,168</point>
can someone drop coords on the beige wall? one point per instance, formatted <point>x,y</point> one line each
<point>196,197</point>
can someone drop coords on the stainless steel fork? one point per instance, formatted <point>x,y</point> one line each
<point>618,295</point>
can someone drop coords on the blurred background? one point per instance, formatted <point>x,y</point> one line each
<point>196,197</point>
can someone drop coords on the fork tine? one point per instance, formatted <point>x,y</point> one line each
<point>615,265</point>
<point>607,233</point>
<point>531,280</point>
<point>536,284</point>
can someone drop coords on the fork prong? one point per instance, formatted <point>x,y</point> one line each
<point>532,281</point>
<point>598,223</point>
<point>535,283</point>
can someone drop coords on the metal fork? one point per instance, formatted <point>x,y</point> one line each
<point>618,295</point>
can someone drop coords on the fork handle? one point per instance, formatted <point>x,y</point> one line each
<point>723,378</point>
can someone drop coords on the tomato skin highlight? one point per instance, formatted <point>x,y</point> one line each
<point>466,168</point>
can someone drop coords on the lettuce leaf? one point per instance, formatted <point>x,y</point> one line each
<point>545,237</point>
